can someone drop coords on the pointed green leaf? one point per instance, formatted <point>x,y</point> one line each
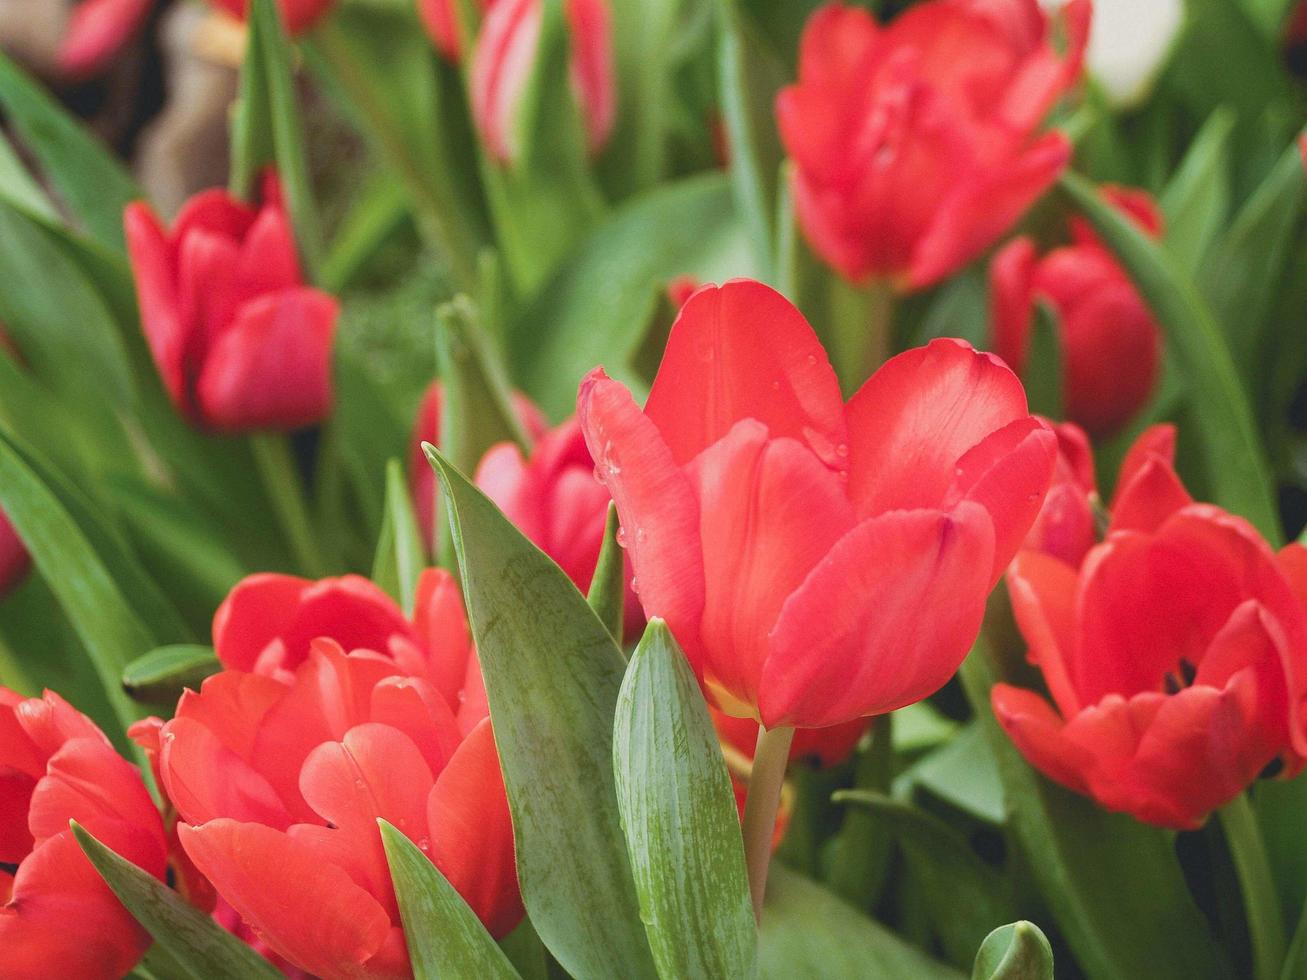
<point>1197,198</point>
<point>204,949</point>
<point>444,936</point>
<point>552,675</point>
<point>680,818</point>
<point>607,595</point>
<point>1019,951</point>
<point>401,555</point>
<point>808,932</point>
<point>93,184</point>
<point>1236,463</point>
<point>162,674</point>
<point>1043,373</point>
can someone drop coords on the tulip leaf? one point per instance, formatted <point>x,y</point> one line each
<point>401,555</point>
<point>614,280</point>
<point>856,860</point>
<point>1197,198</point>
<point>1044,368</point>
<point>88,178</point>
<point>966,896</point>
<point>20,189</point>
<point>607,595</point>
<point>552,675</point>
<point>960,773</point>
<point>1236,463</point>
<point>196,943</point>
<point>808,932</point>
<point>444,936</point>
<point>680,818</point>
<point>1295,963</point>
<point>162,674</point>
<point>1080,854</point>
<point>1019,951</point>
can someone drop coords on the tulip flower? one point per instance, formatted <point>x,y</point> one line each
<point>57,766</point>
<point>505,56</point>
<point>1065,526</point>
<point>818,562</point>
<point>426,428</point>
<point>554,499</point>
<point>914,143</point>
<point>1111,342</point>
<point>279,783</point>
<point>1173,653</point>
<point>240,342</point>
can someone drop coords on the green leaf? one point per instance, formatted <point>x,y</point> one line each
<point>1295,963</point>
<point>1080,854</point>
<point>444,936</point>
<point>965,896</point>
<point>1019,951</point>
<point>1197,198</point>
<point>1219,32</point>
<point>88,178</point>
<point>680,818</point>
<point>613,280</point>
<point>960,773</point>
<point>381,208</point>
<point>857,858</point>
<point>195,942</point>
<point>268,129</point>
<point>552,675</point>
<point>401,555</point>
<point>1236,464</point>
<point>608,586</point>
<point>162,674</point>
<point>20,189</point>
<point>1044,367</point>
<point>809,934</point>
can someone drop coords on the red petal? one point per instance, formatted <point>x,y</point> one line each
<point>97,31</point>
<point>1156,440</point>
<point>232,705</point>
<point>441,624</point>
<point>156,292</point>
<point>589,24</point>
<point>258,610</point>
<point>769,512</point>
<point>1043,592</point>
<point>1010,278</point>
<point>742,351</point>
<point>412,706</point>
<point>1153,494</point>
<point>883,621</point>
<point>501,64</point>
<point>206,780</point>
<point>1037,732</point>
<point>916,417</point>
<point>272,368</point>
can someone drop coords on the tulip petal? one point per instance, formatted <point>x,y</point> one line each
<point>1156,440</point>
<point>415,708</point>
<point>501,65</point>
<point>883,621</point>
<point>1043,592</point>
<point>1153,494</point>
<point>1037,732</point>
<point>916,417</point>
<point>471,832</point>
<point>272,368</point>
<point>1011,275</point>
<point>656,504</point>
<point>441,623</point>
<point>258,609</point>
<point>742,351</point>
<point>232,704</point>
<point>206,780</point>
<point>307,910</point>
<point>157,296</point>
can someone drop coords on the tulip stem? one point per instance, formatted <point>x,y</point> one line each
<point>285,490</point>
<point>765,783</point>
<point>1260,899</point>
<point>862,325</point>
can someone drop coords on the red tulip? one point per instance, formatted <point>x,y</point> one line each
<point>554,499</point>
<point>817,562</point>
<point>1065,526</point>
<point>823,746</point>
<point>426,428</point>
<point>57,917</point>
<point>97,30</point>
<point>279,784</point>
<point>914,143</point>
<point>1174,653</point>
<point>442,25</point>
<point>505,57</point>
<point>297,15</point>
<point>1110,341</point>
<point>240,342</point>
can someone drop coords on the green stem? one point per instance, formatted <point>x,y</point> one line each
<point>765,783</point>
<point>862,320</point>
<point>1260,899</point>
<point>285,492</point>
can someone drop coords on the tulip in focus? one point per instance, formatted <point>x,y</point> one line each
<point>240,342</point>
<point>57,766</point>
<point>818,562</point>
<point>1174,653</point>
<point>1110,341</point>
<point>505,57</point>
<point>914,142</point>
<point>279,780</point>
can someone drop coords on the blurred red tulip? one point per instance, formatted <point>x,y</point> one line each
<point>1174,653</point>
<point>297,15</point>
<point>914,143</point>
<point>505,56</point>
<point>426,428</point>
<point>14,560</point>
<point>240,342</point>
<point>279,784</point>
<point>442,27</point>
<point>818,562</point>
<point>554,499</point>
<point>97,30</point>
<point>57,766</point>
<point>1111,344</point>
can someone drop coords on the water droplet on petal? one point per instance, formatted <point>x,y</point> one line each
<point>621,536</point>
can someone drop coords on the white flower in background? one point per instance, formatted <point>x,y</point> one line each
<point>1129,43</point>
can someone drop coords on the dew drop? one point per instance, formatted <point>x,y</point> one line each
<point>812,359</point>
<point>842,451</point>
<point>621,536</point>
<point>641,535</point>
<point>635,585</point>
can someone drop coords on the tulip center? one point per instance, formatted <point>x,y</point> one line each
<point>1177,680</point>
